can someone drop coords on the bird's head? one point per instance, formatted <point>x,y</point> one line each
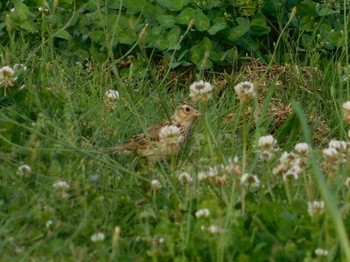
<point>186,114</point>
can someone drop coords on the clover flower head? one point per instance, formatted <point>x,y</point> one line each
<point>7,76</point>
<point>112,94</point>
<point>302,149</point>
<point>346,112</point>
<point>200,91</point>
<point>204,212</point>
<point>249,180</point>
<point>316,208</point>
<point>185,178</point>
<point>24,170</point>
<point>61,185</point>
<point>267,147</point>
<point>245,91</point>
<point>97,237</point>
<point>320,252</point>
<point>155,184</point>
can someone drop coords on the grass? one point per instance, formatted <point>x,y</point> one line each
<point>59,122</point>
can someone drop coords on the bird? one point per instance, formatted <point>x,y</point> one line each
<point>164,140</point>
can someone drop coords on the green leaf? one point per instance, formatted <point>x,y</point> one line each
<point>96,36</point>
<point>259,26</point>
<point>196,54</point>
<point>201,22</point>
<point>166,20</point>
<point>63,34</point>
<point>22,11</point>
<point>29,26</point>
<point>324,11</point>
<point>242,21</point>
<point>219,24</point>
<point>206,44</point>
<point>205,63</point>
<point>186,16</point>
<point>238,31</point>
<point>173,38</point>
<point>179,4</point>
<point>127,37</point>
<point>134,6</point>
<point>307,23</point>
<point>165,3</point>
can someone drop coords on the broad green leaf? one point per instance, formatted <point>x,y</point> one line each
<point>96,36</point>
<point>165,3</point>
<point>219,24</point>
<point>173,38</point>
<point>166,20</point>
<point>307,8</point>
<point>179,4</point>
<point>162,44</point>
<point>21,11</point>
<point>238,31</point>
<point>63,34</point>
<point>206,44</point>
<point>134,6</point>
<point>324,11</point>
<point>201,22</point>
<point>196,54</point>
<point>205,63</point>
<point>307,23</point>
<point>242,21</point>
<point>29,26</point>
<point>186,16</point>
<point>259,26</point>
<point>127,37</point>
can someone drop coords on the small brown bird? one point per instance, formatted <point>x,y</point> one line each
<point>165,139</point>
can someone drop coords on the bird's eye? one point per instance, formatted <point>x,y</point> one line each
<point>187,109</point>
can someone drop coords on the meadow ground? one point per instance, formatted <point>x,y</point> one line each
<point>64,198</point>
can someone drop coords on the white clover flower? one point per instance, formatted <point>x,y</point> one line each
<point>170,135</point>
<point>18,67</point>
<point>245,91</point>
<point>330,152</point>
<point>24,170</point>
<point>97,237</point>
<point>346,111</point>
<point>249,180</point>
<point>185,178</point>
<point>302,149</point>
<point>321,252</point>
<point>339,145</point>
<point>292,173</point>
<point>43,9</point>
<point>200,91</point>
<point>213,171</point>
<point>202,176</point>
<point>316,208</point>
<point>155,184</point>
<point>204,212</point>
<point>112,94</point>
<point>213,229</point>
<point>7,77</point>
<point>49,223</point>
<point>233,167</point>
<point>347,182</point>
<point>267,141</point>
<point>267,147</point>
<point>61,185</point>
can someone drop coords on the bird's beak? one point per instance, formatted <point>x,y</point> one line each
<point>198,113</point>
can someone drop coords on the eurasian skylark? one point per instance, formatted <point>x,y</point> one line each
<point>164,140</point>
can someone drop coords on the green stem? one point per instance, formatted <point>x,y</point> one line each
<point>245,139</point>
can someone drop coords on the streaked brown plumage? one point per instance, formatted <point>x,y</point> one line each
<point>151,145</point>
